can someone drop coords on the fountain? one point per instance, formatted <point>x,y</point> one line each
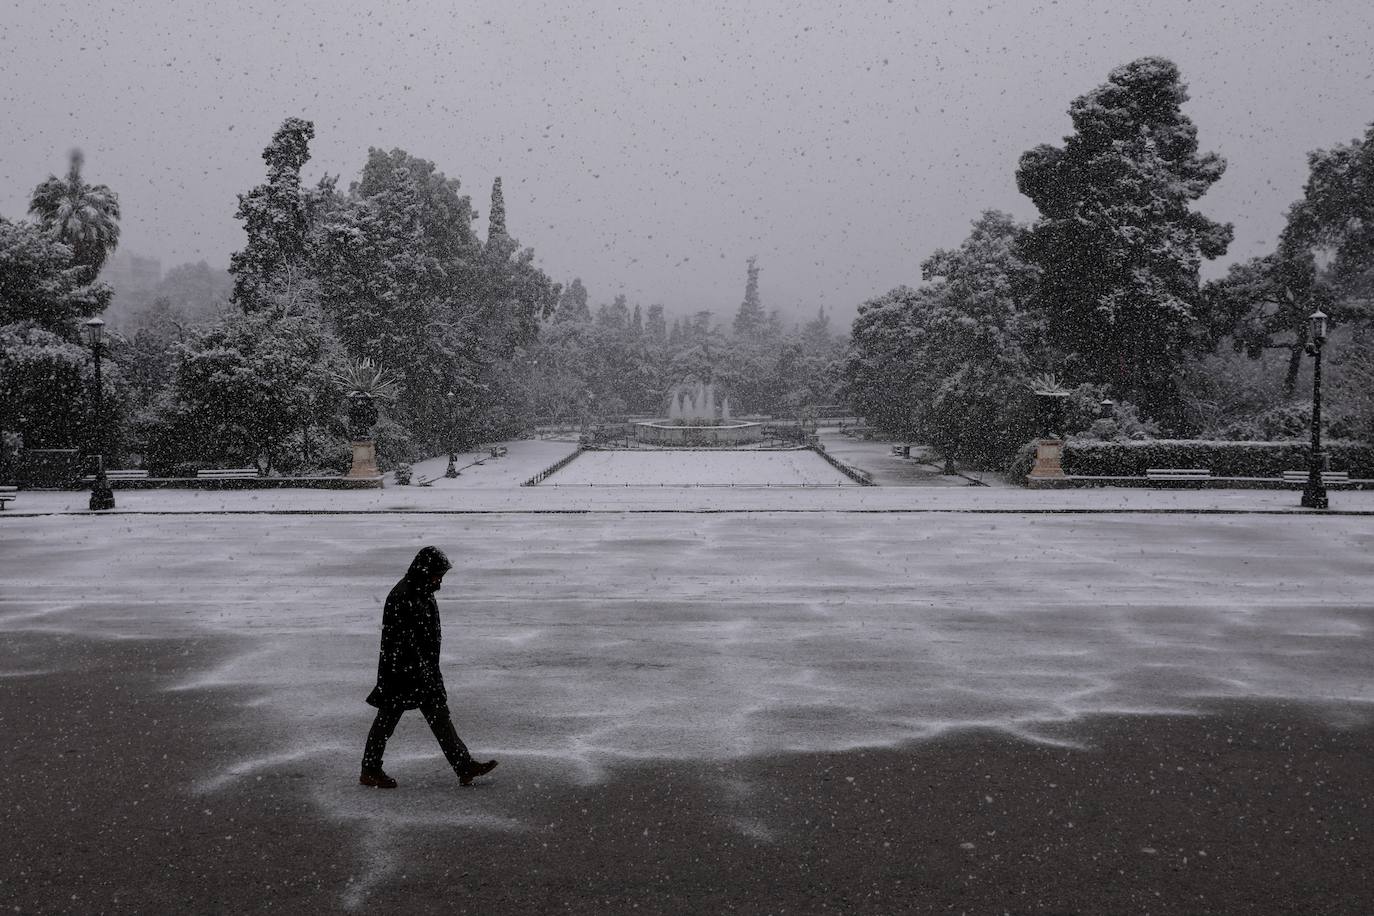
<point>694,420</point>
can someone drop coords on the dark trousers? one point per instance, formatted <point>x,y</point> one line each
<point>437,715</point>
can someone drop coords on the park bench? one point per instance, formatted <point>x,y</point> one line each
<point>118,475</point>
<point>1328,477</point>
<point>226,473</point>
<point>7,494</point>
<point>499,451</point>
<point>1177,473</point>
<point>901,451</point>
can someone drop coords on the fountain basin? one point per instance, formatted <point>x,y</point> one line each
<point>670,434</point>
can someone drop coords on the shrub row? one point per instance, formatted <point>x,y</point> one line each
<point>1222,458</point>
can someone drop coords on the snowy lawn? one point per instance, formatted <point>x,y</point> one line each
<point>676,468</point>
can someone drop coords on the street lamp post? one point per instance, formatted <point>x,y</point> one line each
<point>452,470</point>
<point>587,417</point>
<point>102,497</point>
<point>1314,494</point>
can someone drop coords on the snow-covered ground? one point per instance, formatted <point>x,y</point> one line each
<point>578,641</point>
<point>478,470</point>
<point>699,468</point>
<point>489,485</point>
<point>464,495</point>
<point>875,456</point>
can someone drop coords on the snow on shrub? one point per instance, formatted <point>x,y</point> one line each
<point>1222,458</point>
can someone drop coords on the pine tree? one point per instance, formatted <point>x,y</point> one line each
<point>1118,242</point>
<point>750,317</point>
<point>637,322</point>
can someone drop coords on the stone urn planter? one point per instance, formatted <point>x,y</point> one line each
<point>1049,448</point>
<point>365,385</point>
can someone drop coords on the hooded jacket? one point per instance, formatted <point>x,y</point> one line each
<point>408,673</point>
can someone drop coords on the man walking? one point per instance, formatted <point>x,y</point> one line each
<point>408,675</point>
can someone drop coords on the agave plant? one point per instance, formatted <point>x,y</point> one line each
<point>364,377</point>
<point>1046,383</point>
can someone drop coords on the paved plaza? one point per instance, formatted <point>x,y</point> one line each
<point>681,700</point>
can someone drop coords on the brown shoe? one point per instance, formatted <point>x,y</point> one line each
<point>376,779</point>
<point>473,770</point>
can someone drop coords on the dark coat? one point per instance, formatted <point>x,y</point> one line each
<point>408,673</point>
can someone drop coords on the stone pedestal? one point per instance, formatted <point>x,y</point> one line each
<point>364,460</point>
<point>1049,454</point>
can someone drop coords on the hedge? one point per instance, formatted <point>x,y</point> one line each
<point>1084,457</point>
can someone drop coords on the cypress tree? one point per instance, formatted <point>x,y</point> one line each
<point>749,319</point>
<point>496,219</point>
<point>655,326</point>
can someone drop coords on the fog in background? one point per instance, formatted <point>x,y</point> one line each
<point>651,147</point>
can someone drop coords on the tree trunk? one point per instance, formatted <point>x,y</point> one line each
<point>1290,378</point>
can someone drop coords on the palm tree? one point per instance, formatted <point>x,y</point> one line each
<point>84,216</point>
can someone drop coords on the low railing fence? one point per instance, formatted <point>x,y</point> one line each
<point>862,478</point>
<point>554,468</point>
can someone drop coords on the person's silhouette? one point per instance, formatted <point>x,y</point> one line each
<point>408,675</point>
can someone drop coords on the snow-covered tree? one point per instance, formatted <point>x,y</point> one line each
<point>1118,243</point>
<point>655,327</point>
<point>616,315</point>
<point>572,304</point>
<point>252,389</point>
<point>1336,214</point>
<point>83,216</point>
<point>45,385</point>
<point>496,217</point>
<point>272,272</point>
<point>750,317</point>
<point>1264,304</point>
<point>945,364</point>
<point>391,264</point>
<point>408,285</point>
<point>41,282</point>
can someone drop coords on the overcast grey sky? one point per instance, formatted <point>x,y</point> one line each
<point>651,147</point>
